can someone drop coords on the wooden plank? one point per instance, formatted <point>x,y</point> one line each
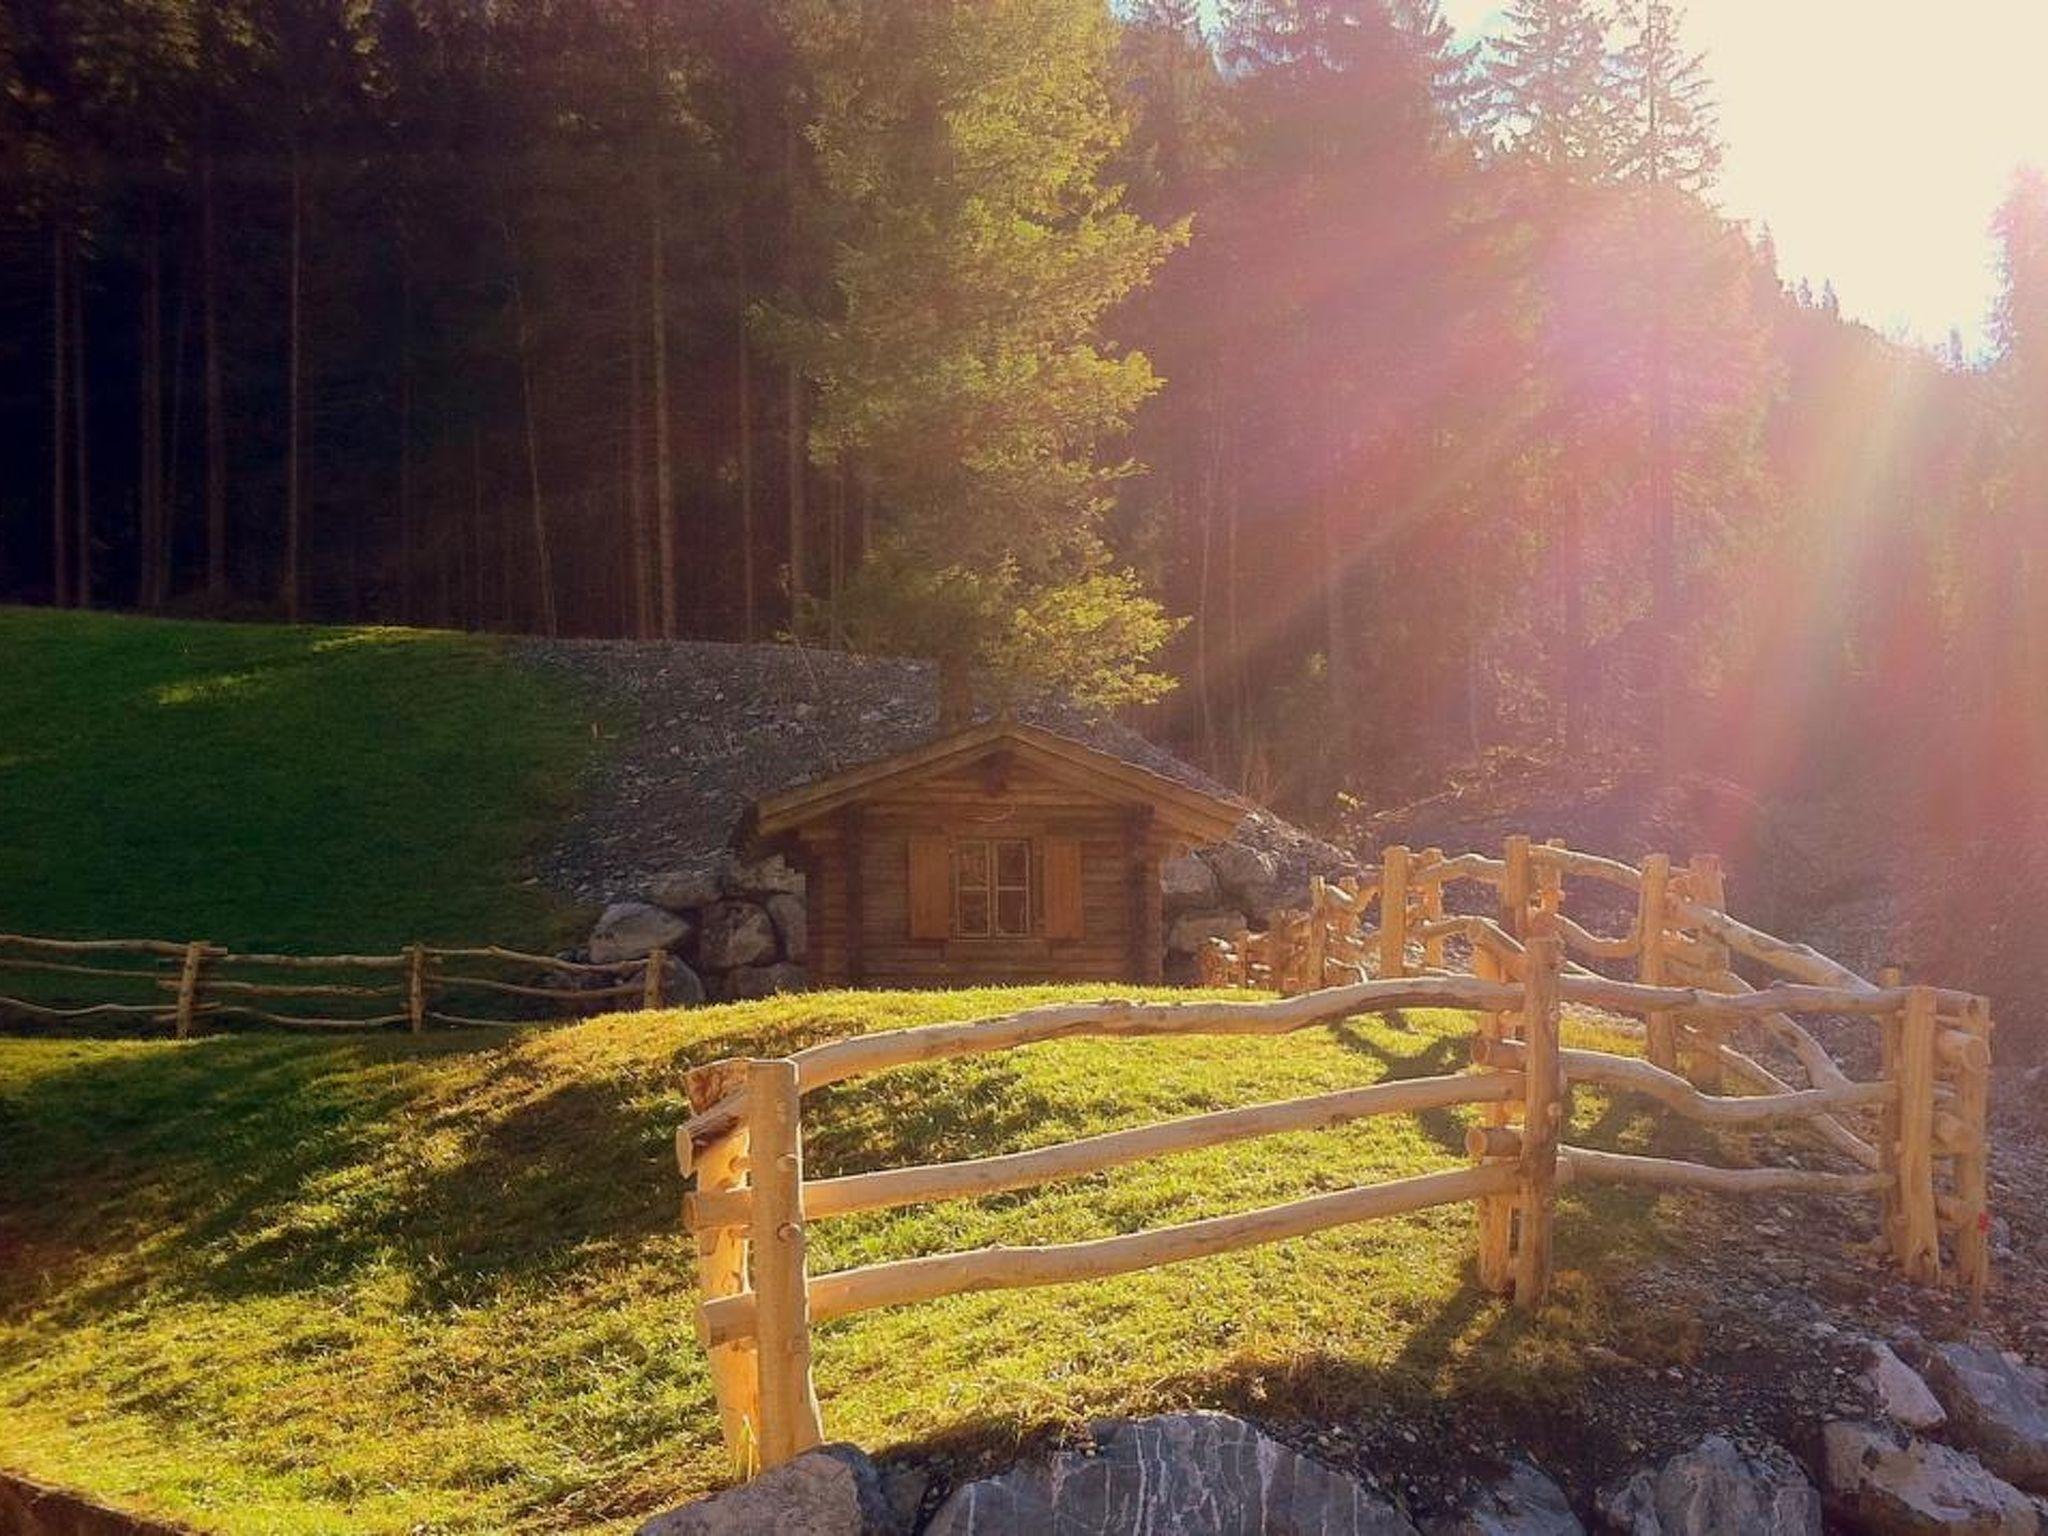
<point>720,1166</point>
<point>1542,1115</point>
<point>1060,862</point>
<point>789,1423</point>
<point>929,874</point>
<point>1918,1231</point>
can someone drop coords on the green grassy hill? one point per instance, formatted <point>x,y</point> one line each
<point>266,786</point>
<point>271,1284</point>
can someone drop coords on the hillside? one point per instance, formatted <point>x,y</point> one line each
<point>384,1284</point>
<point>259,785</point>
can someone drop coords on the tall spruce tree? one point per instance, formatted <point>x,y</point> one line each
<point>962,381</point>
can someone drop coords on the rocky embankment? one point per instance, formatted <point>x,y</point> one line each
<point>1942,1438</point>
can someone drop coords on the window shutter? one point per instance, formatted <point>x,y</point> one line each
<point>1062,857</point>
<point>931,887</point>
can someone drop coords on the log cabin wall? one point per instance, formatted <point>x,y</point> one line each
<point>859,863</point>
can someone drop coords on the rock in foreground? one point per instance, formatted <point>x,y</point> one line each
<point>1715,1489</point>
<point>832,1491</point>
<point>1192,1474</point>
<point>1886,1482</point>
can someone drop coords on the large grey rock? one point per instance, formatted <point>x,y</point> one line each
<point>735,933</point>
<point>770,876</point>
<point>1191,930</point>
<point>751,981</point>
<point>1187,882</point>
<point>792,925</point>
<point>832,1491</point>
<point>686,890</point>
<point>1996,1406</point>
<point>1524,1502</point>
<point>1247,875</point>
<point>1181,1474</point>
<point>1886,1482</point>
<point>681,987</point>
<point>1897,1389</point>
<point>628,930</point>
<point>1716,1487</point>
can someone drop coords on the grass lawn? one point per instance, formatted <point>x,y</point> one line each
<point>238,783</point>
<point>271,1284</point>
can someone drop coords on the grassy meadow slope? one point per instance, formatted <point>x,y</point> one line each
<point>261,785</point>
<point>272,1284</point>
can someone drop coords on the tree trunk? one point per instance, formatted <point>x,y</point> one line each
<point>294,365</point>
<point>150,579</point>
<point>81,441</point>
<point>636,495</point>
<point>544,576</point>
<point>408,595</point>
<point>746,428</point>
<point>216,420</point>
<point>794,448</point>
<point>1573,680</point>
<point>60,409</point>
<point>664,462</point>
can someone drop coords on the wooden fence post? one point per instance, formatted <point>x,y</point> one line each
<point>1315,962</point>
<point>1707,888</point>
<point>1542,1114</point>
<point>654,976</point>
<point>719,1166</point>
<point>1394,912</point>
<point>1550,882</point>
<point>1918,1235</point>
<point>416,986</point>
<point>1433,911</point>
<point>1972,1167</point>
<point>1496,1212</point>
<point>1514,889</point>
<point>1662,1036</point>
<point>1889,1118</point>
<point>789,1406</point>
<point>188,986</point>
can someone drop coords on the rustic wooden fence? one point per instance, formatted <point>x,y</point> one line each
<point>183,984</point>
<point>750,1203</point>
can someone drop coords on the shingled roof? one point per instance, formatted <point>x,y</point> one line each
<point>713,728</point>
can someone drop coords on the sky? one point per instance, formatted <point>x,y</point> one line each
<point>1875,138</point>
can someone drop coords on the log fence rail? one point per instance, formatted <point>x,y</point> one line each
<point>185,983</point>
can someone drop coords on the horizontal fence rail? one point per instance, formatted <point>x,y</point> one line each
<point>182,984</point>
<point>1913,1139</point>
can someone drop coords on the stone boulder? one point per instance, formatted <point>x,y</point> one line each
<point>831,1491</point>
<point>629,930</point>
<point>1187,882</point>
<point>1897,1389</point>
<point>1996,1406</point>
<point>1193,1474</point>
<point>735,933</point>
<point>792,925</point>
<point>770,876</point>
<point>1716,1487</point>
<point>1523,1502</point>
<point>1247,875</point>
<point>752,981</point>
<point>686,890</point>
<point>1887,1482</point>
<point>1191,930</point>
<point>681,987</point>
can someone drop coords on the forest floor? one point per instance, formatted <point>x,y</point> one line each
<point>395,1284</point>
<point>265,786</point>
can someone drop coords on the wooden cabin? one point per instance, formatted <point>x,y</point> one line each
<point>1001,853</point>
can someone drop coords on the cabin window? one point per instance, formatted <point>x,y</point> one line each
<point>992,888</point>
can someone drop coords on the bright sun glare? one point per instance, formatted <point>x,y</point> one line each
<point>1874,139</point>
